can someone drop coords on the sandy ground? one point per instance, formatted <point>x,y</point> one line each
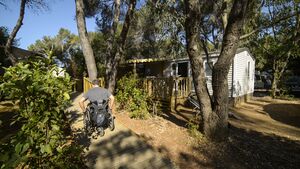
<point>120,148</point>
<point>264,133</point>
<point>278,117</point>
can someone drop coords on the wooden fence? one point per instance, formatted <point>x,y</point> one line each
<point>159,88</point>
<point>165,88</point>
<point>87,84</point>
<point>183,86</point>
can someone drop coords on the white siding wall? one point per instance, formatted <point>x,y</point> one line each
<point>209,77</point>
<point>229,77</point>
<point>208,74</point>
<point>242,84</point>
<point>243,80</point>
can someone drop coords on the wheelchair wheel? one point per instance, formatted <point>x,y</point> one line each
<point>111,125</point>
<point>100,131</point>
<point>87,124</point>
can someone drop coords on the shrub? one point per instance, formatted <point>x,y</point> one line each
<point>193,127</point>
<point>42,98</point>
<point>132,98</point>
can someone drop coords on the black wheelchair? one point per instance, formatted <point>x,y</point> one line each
<point>98,117</point>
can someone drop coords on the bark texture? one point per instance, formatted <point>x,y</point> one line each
<point>8,45</point>
<point>221,68</point>
<point>84,40</point>
<point>110,43</point>
<point>117,52</point>
<point>215,111</point>
<point>193,18</point>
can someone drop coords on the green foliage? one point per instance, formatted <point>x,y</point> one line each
<point>63,49</point>
<point>156,31</point>
<point>193,129</point>
<point>132,97</point>
<point>277,44</point>
<point>42,98</point>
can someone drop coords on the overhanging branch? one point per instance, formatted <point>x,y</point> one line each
<point>269,25</point>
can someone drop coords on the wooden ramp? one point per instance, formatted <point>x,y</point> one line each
<point>118,149</point>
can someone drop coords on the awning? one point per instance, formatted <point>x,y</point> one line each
<point>148,60</point>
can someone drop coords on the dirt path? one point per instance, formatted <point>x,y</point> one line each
<point>120,148</point>
<point>278,117</point>
<point>265,135</point>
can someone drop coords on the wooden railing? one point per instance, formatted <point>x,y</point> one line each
<point>87,84</point>
<point>165,88</point>
<point>159,88</point>
<point>182,86</point>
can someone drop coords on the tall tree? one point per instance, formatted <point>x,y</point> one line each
<point>193,18</point>
<point>63,49</point>
<point>156,32</point>
<point>278,41</point>
<point>230,44</point>
<point>13,34</point>
<point>4,60</point>
<point>110,43</point>
<point>118,49</point>
<point>2,3</point>
<point>84,40</point>
<point>38,4</point>
<point>215,111</point>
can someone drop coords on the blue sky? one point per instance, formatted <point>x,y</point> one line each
<point>45,23</point>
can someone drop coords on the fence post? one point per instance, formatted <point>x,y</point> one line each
<point>173,88</point>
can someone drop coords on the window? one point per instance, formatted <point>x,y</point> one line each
<point>248,70</point>
<point>183,69</point>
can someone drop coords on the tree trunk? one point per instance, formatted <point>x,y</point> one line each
<point>111,73</point>
<point>274,86</point>
<point>110,43</point>
<point>193,18</point>
<point>279,67</point>
<point>8,46</point>
<point>84,41</point>
<point>222,66</point>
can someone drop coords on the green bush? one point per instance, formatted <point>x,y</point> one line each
<point>43,137</point>
<point>132,98</point>
<point>193,127</point>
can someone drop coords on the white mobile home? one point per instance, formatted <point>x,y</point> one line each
<point>240,76</point>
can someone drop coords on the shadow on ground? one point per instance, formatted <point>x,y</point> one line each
<point>117,149</point>
<point>182,115</point>
<point>74,95</point>
<point>7,115</point>
<point>123,150</point>
<point>245,149</point>
<point>74,116</point>
<point>285,113</point>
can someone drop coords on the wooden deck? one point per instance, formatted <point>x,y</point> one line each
<point>159,88</point>
<point>170,90</point>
